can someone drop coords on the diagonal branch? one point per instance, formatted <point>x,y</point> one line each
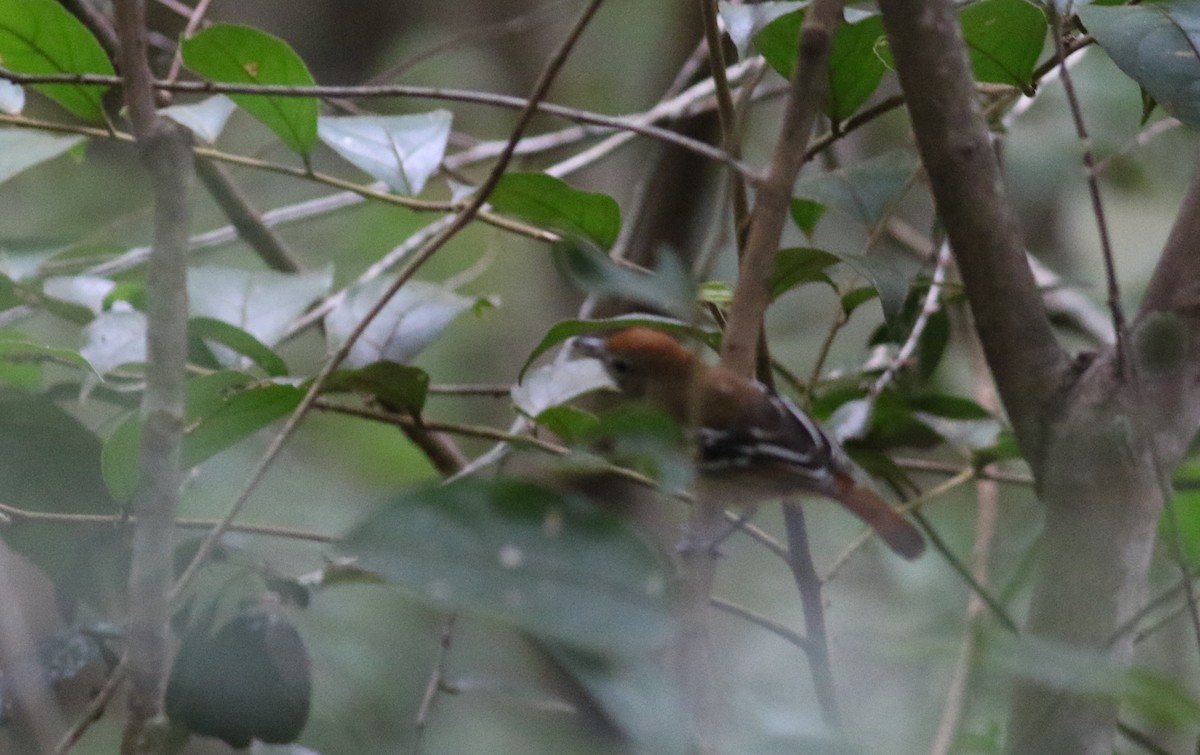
<point>952,137</point>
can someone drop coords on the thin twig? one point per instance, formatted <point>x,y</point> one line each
<point>808,582</point>
<point>461,220</point>
<point>774,627</point>
<point>195,18</point>
<point>95,707</point>
<point>436,682</point>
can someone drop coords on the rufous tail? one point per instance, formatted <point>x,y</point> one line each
<point>900,535</point>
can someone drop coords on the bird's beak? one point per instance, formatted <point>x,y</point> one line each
<point>590,346</point>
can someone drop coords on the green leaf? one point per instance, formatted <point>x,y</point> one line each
<point>797,266</point>
<point>403,151</point>
<point>263,303</point>
<point>240,341</point>
<point>398,387</point>
<point>1155,44</point>
<point>409,322</point>
<point>565,329</point>
<point>23,148</point>
<point>552,564</point>
<point>242,55</point>
<point>668,289</point>
<point>223,409</point>
<point>806,213</point>
<point>888,281</point>
<point>49,462</point>
<point>41,37</point>
<point>854,69</point>
<point>1004,39</point>
<point>14,347</point>
<point>744,21</point>
<point>950,407</point>
<point>857,297</point>
<point>551,203</point>
<point>571,424</point>
<point>206,119</point>
<point>866,189</point>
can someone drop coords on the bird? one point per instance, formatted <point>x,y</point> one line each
<point>752,444</point>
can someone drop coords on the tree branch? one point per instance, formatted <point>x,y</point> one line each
<point>1021,350</point>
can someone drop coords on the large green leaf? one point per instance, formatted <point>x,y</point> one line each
<point>797,266</point>
<point>854,69</point>
<point>242,55</point>
<point>399,387</point>
<point>552,203</point>
<point>41,37</point>
<point>1004,39</point>
<point>1156,45</point>
<point>550,563</point>
<point>22,148</point>
<point>403,151</point>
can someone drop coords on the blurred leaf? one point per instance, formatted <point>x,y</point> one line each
<point>261,302</point>
<point>49,462</point>
<point>864,190</point>
<point>950,407</point>
<point>242,55</point>
<point>647,440</point>
<point>797,266</point>
<point>554,384</point>
<point>889,282</point>
<point>221,412</point>
<point>744,21</point>
<point>1186,503</point>
<point>549,563</point>
<point>719,293</point>
<point>12,97</point>
<point>239,341</point>
<point>398,387</point>
<point>23,148</point>
<point>113,339</point>
<point>1155,44</point>
<point>41,37</point>
<point>409,322</point>
<point>854,69</point>
<point>565,329</point>
<point>932,343</point>
<point>403,151</point>
<point>1004,39</point>
<point>668,289</point>
<point>573,425</point>
<point>856,298</point>
<point>206,118</point>
<point>806,213</point>
<point>15,347</point>
<point>551,203</point>
<point>1004,449</point>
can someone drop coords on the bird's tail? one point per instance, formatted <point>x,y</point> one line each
<point>900,535</point>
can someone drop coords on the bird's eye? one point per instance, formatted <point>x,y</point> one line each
<point>619,366</point>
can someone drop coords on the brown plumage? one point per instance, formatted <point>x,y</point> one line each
<point>752,444</point>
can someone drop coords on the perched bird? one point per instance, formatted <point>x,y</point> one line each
<point>753,445</point>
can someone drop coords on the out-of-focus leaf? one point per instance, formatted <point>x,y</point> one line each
<point>744,21</point>
<point>41,37</point>
<point>854,69</point>
<point>239,341</point>
<point>113,339</point>
<point>857,297</point>
<point>403,151</point>
<point>806,213</point>
<point>572,425</point>
<point>715,292</point>
<point>410,321</point>
<point>647,440</point>
<point>797,266</point>
<point>23,148</point>
<point>864,190</point>
<point>49,462</point>
<point>552,203</point>
<point>1155,44</point>
<point>932,344</point>
<point>398,387</point>
<point>244,55</point>
<point>555,384</point>
<point>206,119</point>
<point>572,328</point>
<point>1004,39</point>
<point>888,281</point>
<point>550,563</point>
<point>1004,449</point>
<point>668,289</point>
<point>261,302</point>
<point>15,348</point>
